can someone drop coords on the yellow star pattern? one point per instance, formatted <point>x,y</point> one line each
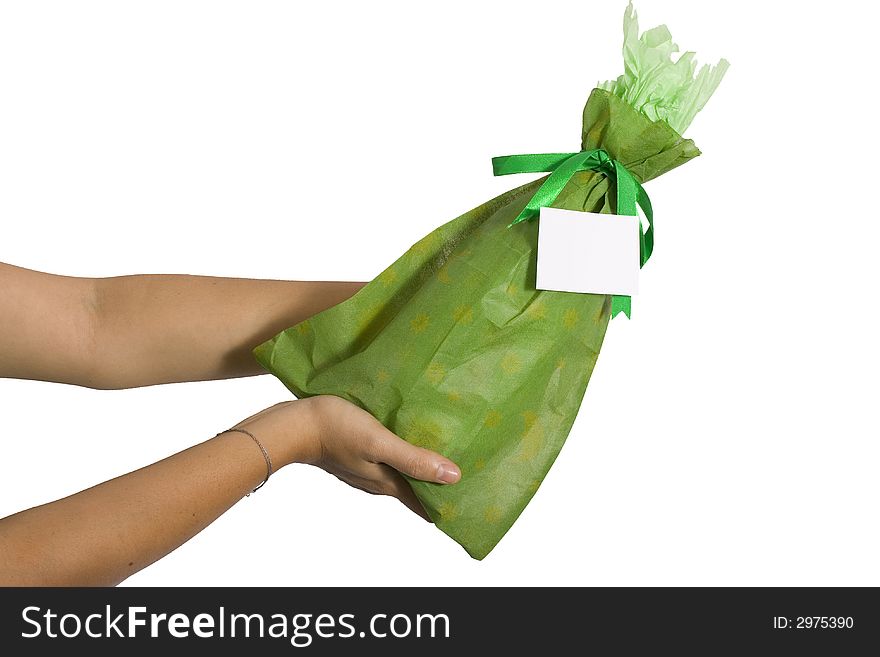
<point>447,511</point>
<point>420,323</point>
<point>424,244</point>
<point>570,318</point>
<point>435,373</point>
<point>493,419</point>
<point>463,314</point>
<point>492,514</point>
<point>537,310</point>
<point>511,363</point>
<point>532,439</point>
<point>424,435</point>
<point>388,276</point>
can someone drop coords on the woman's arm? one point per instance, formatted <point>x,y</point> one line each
<point>131,331</point>
<point>104,534</point>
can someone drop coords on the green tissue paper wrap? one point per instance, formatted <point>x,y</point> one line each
<point>453,349</point>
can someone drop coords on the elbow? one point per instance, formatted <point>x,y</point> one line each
<point>96,367</point>
<point>100,381</point>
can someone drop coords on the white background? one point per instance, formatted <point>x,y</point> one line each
<point>729,433</point>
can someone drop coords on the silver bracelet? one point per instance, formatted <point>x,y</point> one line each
<point>269,469</point>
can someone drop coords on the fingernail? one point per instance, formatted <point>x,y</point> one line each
<point>448,473</point>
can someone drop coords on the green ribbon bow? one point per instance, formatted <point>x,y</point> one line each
<point>563,166</point>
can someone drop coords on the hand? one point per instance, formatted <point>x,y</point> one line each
<point>351,444</point>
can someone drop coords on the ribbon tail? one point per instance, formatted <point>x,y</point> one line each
<point>621,304</point>
<point>647,240</point>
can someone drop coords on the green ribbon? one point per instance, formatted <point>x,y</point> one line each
<point>563,166</point>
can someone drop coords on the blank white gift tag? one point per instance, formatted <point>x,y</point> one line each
<point>587,252</point>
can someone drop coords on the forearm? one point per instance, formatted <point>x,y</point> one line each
<point>133,331</point>
<point>104,534</point>
<point>165,329</point>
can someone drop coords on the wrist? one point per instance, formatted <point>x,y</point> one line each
<point>287,431</point>
<point>304,431</point>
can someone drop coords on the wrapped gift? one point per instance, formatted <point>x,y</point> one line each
<point>454,349</point>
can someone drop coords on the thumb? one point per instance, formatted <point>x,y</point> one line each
<point>415,462</point>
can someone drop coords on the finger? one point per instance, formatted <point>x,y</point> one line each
<point>399,488</point>
<point>370,486</point>
<point>415,462</point>
<point>383,480</point>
